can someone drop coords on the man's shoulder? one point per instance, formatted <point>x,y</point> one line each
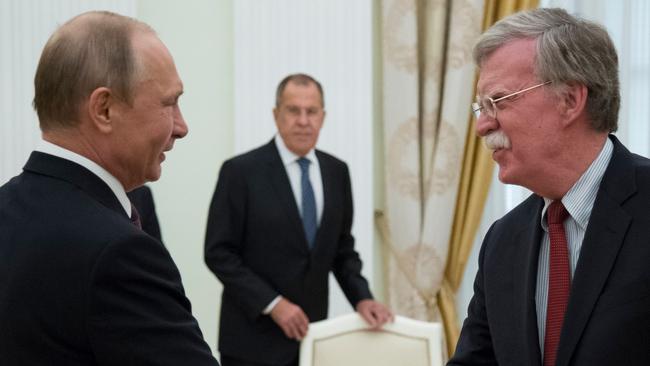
<point>641,162</point>
<point>259,154</point>
<point>324,157</point>
<point>62,215</point>
<point>523,212</point>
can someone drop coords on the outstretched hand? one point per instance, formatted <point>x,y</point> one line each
<point>374,313</point>
<point>291,319</point>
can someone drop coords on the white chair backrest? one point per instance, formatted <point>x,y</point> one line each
<point>346,341</point>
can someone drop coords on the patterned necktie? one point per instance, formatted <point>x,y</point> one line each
<point>308,202</point>
<point>559,280</point>
<point>135,217</point>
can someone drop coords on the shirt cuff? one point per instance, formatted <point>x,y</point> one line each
<point>267,310</point>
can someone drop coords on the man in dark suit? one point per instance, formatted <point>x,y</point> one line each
<point>563,278</point>
<point>279,222</point>
<point>80,284</point>
<point>142,200</point>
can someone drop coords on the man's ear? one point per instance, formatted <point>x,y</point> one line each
<point>100,104</point>
<point>573,101</point>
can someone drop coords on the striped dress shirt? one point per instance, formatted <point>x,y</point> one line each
<point>579,201</point>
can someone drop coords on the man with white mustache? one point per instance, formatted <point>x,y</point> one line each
<point>497,140</point>
<point>563,278</point>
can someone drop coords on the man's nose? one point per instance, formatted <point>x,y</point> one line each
<point>180,126</point>
<point>303,119</point>
<point>485,124</point>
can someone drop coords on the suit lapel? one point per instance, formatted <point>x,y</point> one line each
<point>327,178</point>
<point>604,236</point>
<point>277,174</point>
<point>527,242</point>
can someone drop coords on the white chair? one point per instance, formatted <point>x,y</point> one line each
<point>347,341</point>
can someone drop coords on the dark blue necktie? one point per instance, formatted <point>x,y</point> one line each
<point>308,203</point>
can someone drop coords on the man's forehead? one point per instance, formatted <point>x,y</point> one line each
<point>301,91</point>
<point>515,59</point>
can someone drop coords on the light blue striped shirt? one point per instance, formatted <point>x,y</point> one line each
<point>579,201</point>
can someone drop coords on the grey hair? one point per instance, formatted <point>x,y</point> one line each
<point>569,50</point>
<point>299,79</point>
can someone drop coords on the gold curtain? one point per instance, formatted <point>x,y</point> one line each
<point>474,185</point>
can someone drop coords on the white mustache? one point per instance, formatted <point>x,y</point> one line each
<point>497,140</point>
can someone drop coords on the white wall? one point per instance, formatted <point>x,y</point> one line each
<point>199,35</point>
<point>332,41</point>
<point>25,26</point>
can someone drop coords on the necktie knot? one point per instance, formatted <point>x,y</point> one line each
<point>304,164</point>
<point>135,217</point>
<point>556,213</point>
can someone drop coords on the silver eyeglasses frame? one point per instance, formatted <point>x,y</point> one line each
<point>491,108</point>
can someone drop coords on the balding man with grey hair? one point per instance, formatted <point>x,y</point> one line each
<point>563,278</point>
<point>80,282</point>
<point>280,221</point>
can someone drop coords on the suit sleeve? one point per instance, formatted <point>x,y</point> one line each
<point>138,312</point>
<point>474,346</point>
<point>347,264</point>
<point>224,240</point>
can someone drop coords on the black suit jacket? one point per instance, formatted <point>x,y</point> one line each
<point>79,284</point>
<point>256,246</point>
<point>608,316</point>
<point>142,199</point>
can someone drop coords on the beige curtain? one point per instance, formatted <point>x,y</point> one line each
<point>472,193</point>
<point>428,80</point>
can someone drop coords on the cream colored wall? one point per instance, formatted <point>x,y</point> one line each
<point>378,151</point>
<point>199,35</point>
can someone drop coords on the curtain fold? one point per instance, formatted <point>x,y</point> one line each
<point>473,189</point>
<point>428,78</point>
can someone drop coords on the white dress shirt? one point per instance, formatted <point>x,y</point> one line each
<point>112,182</point>
<point>290,161</point>
<point>578,201</point>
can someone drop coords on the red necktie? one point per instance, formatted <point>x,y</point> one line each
<point>559,280</point>
<point>135,217</point>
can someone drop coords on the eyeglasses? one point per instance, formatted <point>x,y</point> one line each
<point>490,105</point>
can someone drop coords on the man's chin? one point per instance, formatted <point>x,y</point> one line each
<point>154,174</point>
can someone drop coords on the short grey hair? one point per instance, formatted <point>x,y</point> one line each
<point>569,50</point>
<point>299,79</point>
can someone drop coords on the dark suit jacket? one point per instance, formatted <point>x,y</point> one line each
<point>79,284</point>
<point>142,199</point>
<point>256,246</point>
<point>608,316</point>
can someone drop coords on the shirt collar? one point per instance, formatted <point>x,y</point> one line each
<point>288,156</point>
<point>103,174</point>
<point>579,200</point>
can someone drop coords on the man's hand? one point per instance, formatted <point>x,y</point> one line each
<point>291,319</point>
<point>374,313</point>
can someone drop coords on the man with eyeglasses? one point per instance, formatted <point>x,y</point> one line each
<point>563,278</point>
